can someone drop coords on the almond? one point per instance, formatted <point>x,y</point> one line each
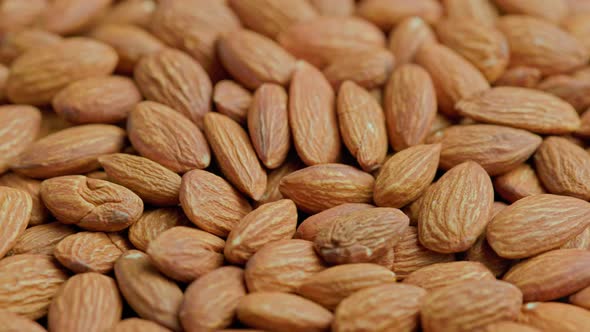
<point>407,37</point>
<point>551,275</point>
<point>185,254</point>
<point>11,322</point>
<point>334,7</point>
<point>508,326</point>
<point>380,308</point>
<point>69,151</point>
<point>524,77</point>
<point>4,72</point>
<point>360,236</point>
<point>66,17</point>
<point>151,295</point>
<point>159,133</point>
<point>282,266</point>
<point>39,213</point>
<point>30,296</point>
<point>455,211</point>
<point>310,227</point>
<point>91,204</point>
<point>553,316</point>
<point>454,77</point>
<point>274,178</point>
<point>497,149</point>
<point>41,239</point>
<point>15,213</point>
<point>572,89</point>
<point>482,252</point>
<point>87,252</point>
<point>523,108</point>
<point>584,129</point>
<point>518,183</point>
<point>18,42</point>
<point>232,99</point>
<point>211,203</point>
<point>312,116</point>
<point>552,10</point>
<point>334,284</point>
<point>153,223</point>
<point>276,311</point>
<point>580,241</point>
<point>81,300</point>
<point>138,325</point>
<point>483,11</point>
<point>581,298</point>
<point>20,126</point>
<point>268,124</point>
<point>138,12</point>
<point>387,13</point>
<point>369,69</point>
<point>174,79</point>
<point>564,167</point>
<point>38,75</point>
<point>448,274</point>
<point>15,14</point>
<point>151,181</point>
<point>268,223</point>
<point>235,155</point>
<point>470,305</point>
<point>406,175</point>
<point>577,24</point>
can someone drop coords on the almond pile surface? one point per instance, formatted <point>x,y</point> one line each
<point>295,165</point>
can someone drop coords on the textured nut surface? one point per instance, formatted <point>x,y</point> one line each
<point>232,99</point>
<point>518,183</point>
<point>387,13</point>
<point>445,274</point>
<point>152,223</point>
<point>20,126</point>
<point>13,322</point>
<point>369,69</point>
<point>15,213</point>
<point>554,316</point>
<point>407,37</point>
<point>41,239</point>
<point>87,252</point>
<point>309,228</point>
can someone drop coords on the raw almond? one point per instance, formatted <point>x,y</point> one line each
<point>581,298</point>
<point>4,72</point>
<point>20,127</point>
<point>572,89</point>
<point>448,274</point>
<point>87,252</point>
<point>274,178</point>
<point>235,155</point>
<point>151,295</point>
<point>15,14</point>
<point>518,183</point>
<point>39,213</point>
<point>232,99</point>
<point>66,17</point>
<point>483,11</point>
<point>15,213</point>
<point>18,42</point>
<point>580,241</point>
<point>552,10</point>
<point>407,37</point>
<point>554,316</point>
<point>482,252</point>
<point>12,322</point>
<point>137,12</point>
<point>81,300</point>
<point>369,69</point>
<point>524,77</point>
<point>551,275</point>
<point>92,204</point>
<point>41,239</point>
<point>334,7</point>
<point>388,13</point>
<point>577,25</point>
<point>310,227</point>
<point>508,326</point>
<point>153,223</point>
<point>159,133</point>
<point>138,325</point>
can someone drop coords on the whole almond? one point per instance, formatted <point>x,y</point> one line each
<point>41,239</point>
<point>524,77</point>
<point>572,89</point>
<point>282,266</point>
<point>581,298</point>
<point>554,316</point>
<point>497,149</point>
<point>66,17</point>
<point>87,252</point>
<point>18,42</point>
<point>334,284</point>
<point>469,305</point>
<point>551,275</point>
<point>382,308</point>
<point>268,124</point>
<point>448,274</point>
<point>185,254</point>
<point>456,209</point>
<point>153,223</point>
<point>38,75</point>
<point>453,76</point>
<point>151,295</point>
<point>210,302</point>
<point>92,204</point>
<point>552,10</point>
<point>138,325</point>
<point>564,168</point>
<point>483,11</point>
<point>309,228</point>
<point>15,14</point>
<point>334,7</point>
<point>387,13</point>
<point>577,24</point>
<point>508,326</point>
<point>212,203</point>
<point>406,175</point>
<point>20,127</point>
<point>369,69</point>
<point>482,252</point>
<point>39,213</point>
<point>320,187</point>
<point>137,12</point>
<point>81,300</point>
<point>518,183</point>
<point>97,100</point>
<point>312,116</point>
<point>268,223</point>
<point>360,236</point>
<point>151,181</point>
<point>12,322</point>
<point>69,151</point>
<point>235,155</point>
<point>276,311</point>
<point>15,212</point>
<point>159,133</point>
<point>272,193</point>
<point>232,99</point>
<point>30,296</point>
<point>407,37</point>
<point>410,106</point>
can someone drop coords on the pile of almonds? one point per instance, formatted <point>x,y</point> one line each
<point>295,165</point>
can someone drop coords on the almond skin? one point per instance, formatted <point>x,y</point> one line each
<point>334,284</point>
<point>572,89</point>
<point>82,299</point>
<point>312,116</point>
<point>580,241</point>
<point>153,223</point>
<point>211,301</point>
<point>15,14</point>
<point>581,298</point>
<point>497,149</point>
<point>66,17</point>
<point>12,322</point>
<point>310,227</point>
<point>320,187</point>
<point>384,307</point>
<point>232,99</point>
<point>482,252</point>
<point>185,254</point>
<point>87,252</point>
<point>211,203</point>
<point>37,75</point>
<point>174,79</point>
<point>508,326</point>
<point>268,223</point>
<point>21,125</point>
<point>454,77</point>
<point>369,69</point>
<point>69,151</point>
<point>18,42</point>
<point>138,325</point>
<point>235,155</point>
<point>97,100</point>
<point>387,13</point>
<point>407,37</point>
<point>518,183</point>
<point>159,133</point>
<point>456,209</point>
<point>268,124</point>
<point>552,10</point>
<point>334,8</point>
<point>151,295</point>
<point>282,266</point>
<point>563,168</point>
<point>92,204</point>
<point>137,12</point>
<point>151,181</point>
<point>551,275</point>
<point>448,274</point>
<point>535,111</point>
<point>524,77</point>
<point>483,11</point>
<point>410,106</point>
<point>41,239</point>
<point>276,311</point>
<point>406,175</point>
<point>15,212</point>
<point>470,305</point>
<point>554,316</point>
<point>272,193</point>
<point>360,236</point>
<point>30,296</point>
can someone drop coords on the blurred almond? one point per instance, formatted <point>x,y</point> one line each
<point>66,17</point>
<point>138,325</point>
<point>508,326</point>
<point>334,7</point>
<point>369,69</point>
<point>483,11</point>
<point>520,182</point>
<point>12,322</point>
<point>581,298</point>
<point>41,239</point>
<point>232,99</point>
<point>152,223</point>
<point>16,14</point>
<point>554,316</point>
<point>407,37</point>
<point>15,213</point>
<point>551,10</point>
<point>87,252</point>
<point>18,42</point>
<point>387,13</point>
<point>577,24</point>
<point>309,228</point>
<point>573,90</point>
<point>20,127</point>
<point>524,77</point>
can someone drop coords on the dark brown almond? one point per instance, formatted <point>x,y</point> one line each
<point>18,42</point>
<point>12,322</point>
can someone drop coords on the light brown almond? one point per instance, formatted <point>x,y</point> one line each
<point>39,213</point>
<point>508,326</point>
<point>551,10</point>
<point>232,99</point>
<point>407,37</point>
<point>554,316</point>
<point>41,239</point>
<point>18,42</point>
<point>369,69</point>
<point>137,12</point>
<point>577,24</point>
<point>20,124</point>
<point>334,7</point>
<point>387,13</point>
<point>87,252</point>
<point>274,178</point>
<point>15,212</point>
<point>152,223</point>
<point>580,241</point>
<point>518,183</point>
<point>15,14</point>
<point>483,11</point>
<point>482,252</point>
<point>310,227</point>
<point>12,322</point>
<point>524,77</point>
<point>66,17</point>
<point>448,274</point>
<point>581,298</point>
<point>572,89</point>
